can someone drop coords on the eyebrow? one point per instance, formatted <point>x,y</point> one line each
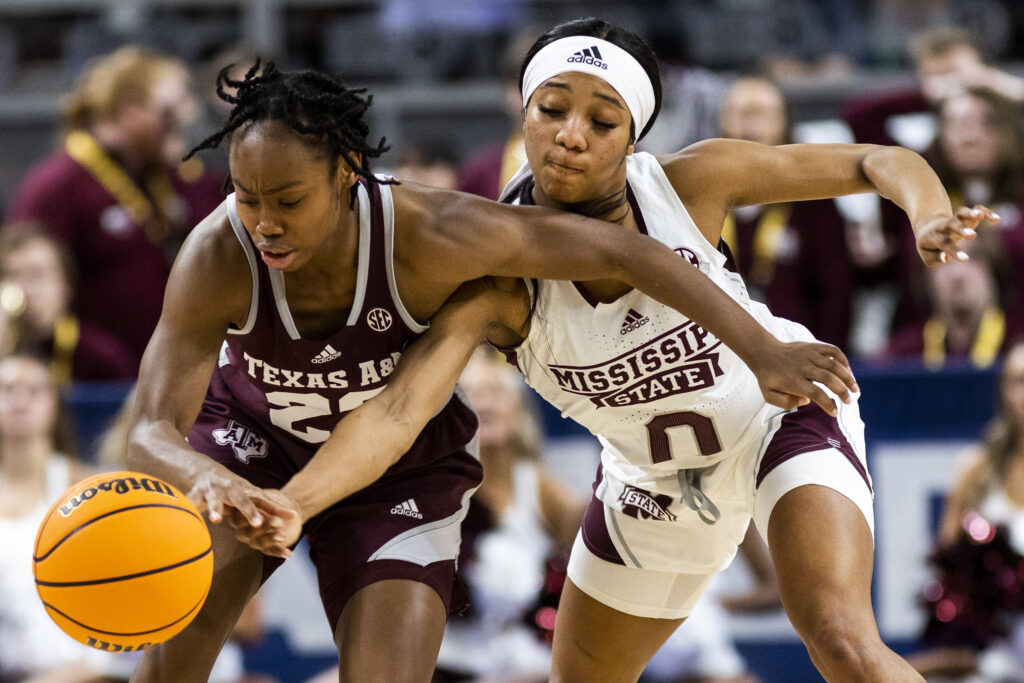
<point>565,86</point>
<point>269,190</point>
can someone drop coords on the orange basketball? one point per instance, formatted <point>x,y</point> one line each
<point>122,561</point>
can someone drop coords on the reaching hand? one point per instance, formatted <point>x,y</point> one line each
<point>281,527</point>
<point>260,517</point>
<point>792,374</point>
<point>218,492</point>
<point>939,236</point>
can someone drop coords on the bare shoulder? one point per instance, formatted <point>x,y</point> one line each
<point>212,268</point>
<point>446,235</point>
<point>702,166</point>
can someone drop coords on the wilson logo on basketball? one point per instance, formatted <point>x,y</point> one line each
<point>123,485</point>
<point>378,319</point>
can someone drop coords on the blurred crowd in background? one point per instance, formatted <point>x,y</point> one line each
<point>100,100</point>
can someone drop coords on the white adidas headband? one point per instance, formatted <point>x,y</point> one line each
<point>600,58</point>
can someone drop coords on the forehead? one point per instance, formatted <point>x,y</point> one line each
<point>1014,363</point>
<point>16,368</point>
<point>754,95</point>
<point>965,105</point>
<point>583,84</point>
<point>272,150</point>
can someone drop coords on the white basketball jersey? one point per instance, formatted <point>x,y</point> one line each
<point>660,392</point>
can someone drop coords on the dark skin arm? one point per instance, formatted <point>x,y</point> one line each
<point>359,450</point>
<point>446,238</point>
<point>209,288</point>
<point>714,176</point>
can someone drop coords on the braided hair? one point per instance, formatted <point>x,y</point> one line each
<point>309,102</point>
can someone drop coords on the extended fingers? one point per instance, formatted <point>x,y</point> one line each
<point>819,396</point>
<point>833,370</point>
<point>973,216</point>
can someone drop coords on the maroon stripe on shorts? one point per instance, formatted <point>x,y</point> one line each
<point>807,429</point>
<point>595,530</point>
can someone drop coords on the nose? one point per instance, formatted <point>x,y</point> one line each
<point>571,134</point>
<point>268,225</point>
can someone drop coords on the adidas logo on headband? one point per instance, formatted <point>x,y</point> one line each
<point>590,55</point>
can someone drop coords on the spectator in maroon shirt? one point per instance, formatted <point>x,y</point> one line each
<point>979,156</point>
<point>485,171</point>
<point>36,277</point>
<point>947,60</point>
<point>966,323</point>
<point>793,257</point>
<point>114,193</point>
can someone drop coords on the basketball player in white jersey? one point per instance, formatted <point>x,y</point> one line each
<point>692,451</point>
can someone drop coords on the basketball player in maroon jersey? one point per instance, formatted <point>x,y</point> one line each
<point>289,306</point>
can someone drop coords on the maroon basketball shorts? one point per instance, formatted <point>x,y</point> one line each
<point>405,525</point>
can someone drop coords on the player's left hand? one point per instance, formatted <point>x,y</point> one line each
<point>281,524</point>
<point>939,236</point>
<point>791,374</point>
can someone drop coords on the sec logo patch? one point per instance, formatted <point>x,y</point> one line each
<point>378,319</point>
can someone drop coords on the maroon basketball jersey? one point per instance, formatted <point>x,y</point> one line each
<point>299,388</point>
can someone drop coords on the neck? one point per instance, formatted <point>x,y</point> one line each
<point>30,462</point>
<point>962,328</point>
<point>613,207</point>
<point>497,460</point>
<point>110,139</point>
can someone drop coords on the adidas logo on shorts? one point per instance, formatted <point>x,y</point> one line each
<point>408,508</point>
<point>328,354</point>
<point>633,321</point>
<point>591,55</point>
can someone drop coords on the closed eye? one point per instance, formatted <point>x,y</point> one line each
<point>548,111</point>
<point>290,205</point>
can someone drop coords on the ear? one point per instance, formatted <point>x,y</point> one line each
<point>346,175</point>
<point>630,147</point>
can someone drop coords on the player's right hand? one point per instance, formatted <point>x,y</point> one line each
<point>220,493</point>
<point>939,236</point>
<point>792,374</point>
<point>281,527</point>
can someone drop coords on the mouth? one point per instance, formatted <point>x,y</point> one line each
<point>564,167</point>
<point>277,258</point>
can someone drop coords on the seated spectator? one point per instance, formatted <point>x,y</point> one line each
<point>36,288</point>
<point>966,323</point>
<point>428,161</point>
<point>114,193</point>
<point>520,519</point>
<point>975,615</point>
<point>486,170</point>
<point>946,61</point>
<point>36,465</point>
<point>248,631</point>
<point>793,257</point>
<point>979,155</point>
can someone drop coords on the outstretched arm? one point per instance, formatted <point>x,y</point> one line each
<point>367,441</point>
<point>473,237</point>
<point>714,176</point>
<point>208,289</point>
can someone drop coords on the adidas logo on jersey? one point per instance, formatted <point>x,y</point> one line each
<point>591,55</point>
<point>328,354</point>
<point>408,508</point>
<point>633,321</point>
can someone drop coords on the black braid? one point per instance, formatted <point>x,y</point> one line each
<point>309,102</point>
